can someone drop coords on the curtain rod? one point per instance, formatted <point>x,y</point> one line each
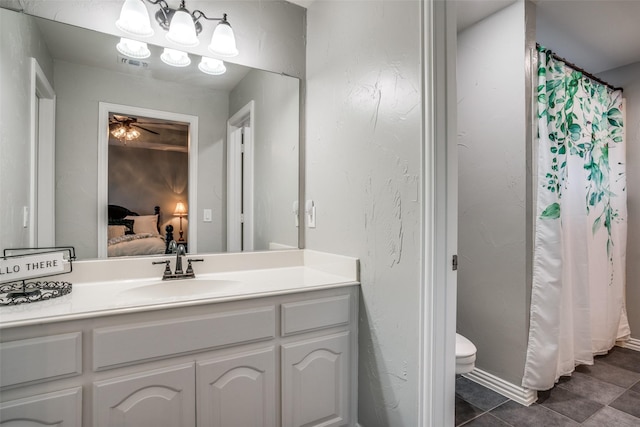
<point>582,70</point>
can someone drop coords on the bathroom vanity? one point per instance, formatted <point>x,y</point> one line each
<point>257,339</point>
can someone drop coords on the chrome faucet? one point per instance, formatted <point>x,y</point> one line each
<point>180,251</point>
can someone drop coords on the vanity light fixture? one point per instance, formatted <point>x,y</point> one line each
<point>175,58</point>
<point>182,25</point>
<point>212,66</point>
<point>133,48</point>
<point>134,19</point>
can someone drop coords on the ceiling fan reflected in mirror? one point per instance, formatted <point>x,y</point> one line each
<point>126,128</point>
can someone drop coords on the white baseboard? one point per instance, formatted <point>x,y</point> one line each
<point>514,392</point>
<point>632,344</point>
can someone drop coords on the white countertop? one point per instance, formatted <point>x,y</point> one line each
<point>101,288</point>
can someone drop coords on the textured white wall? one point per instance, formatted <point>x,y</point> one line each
<point>363,148</point>
<point>79,90</point>
<point>493,305</point>
<point>276,135</point>
<point>22,41</point>
<point>628,77</point>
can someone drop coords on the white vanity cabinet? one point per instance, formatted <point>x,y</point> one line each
<point>160,398</point>
<point>237,390</point>
<point>61,408</point>
<point>280,360</point>
<point>38,360</point>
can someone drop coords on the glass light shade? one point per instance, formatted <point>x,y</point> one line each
<point>181,209</point>
<point>133,48</point>
<point>182,29</point>
<point>132,134</point>
<point>212,66</point>
<point>175,58</point>
<point>119,132</point>
<point>134,19</point>
<point>223,42</point>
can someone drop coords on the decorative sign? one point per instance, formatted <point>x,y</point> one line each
<point>30,266</point>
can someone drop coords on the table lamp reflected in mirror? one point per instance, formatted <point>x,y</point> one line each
<point>180,211</point>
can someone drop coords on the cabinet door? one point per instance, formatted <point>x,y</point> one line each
<point>237,390</point>
<point>60,409</point>
<point>315,382</point>
<point>162,397</point>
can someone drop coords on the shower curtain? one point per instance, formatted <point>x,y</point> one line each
<point>577,300</point>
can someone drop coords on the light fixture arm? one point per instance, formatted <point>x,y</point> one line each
<point>197,14</point>
<point>165,13</point>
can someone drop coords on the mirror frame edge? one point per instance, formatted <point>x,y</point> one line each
<point>103,161</point>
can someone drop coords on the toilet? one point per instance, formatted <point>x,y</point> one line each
<point>465,355</point>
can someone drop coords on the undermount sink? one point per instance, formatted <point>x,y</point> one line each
<point>181,288</point>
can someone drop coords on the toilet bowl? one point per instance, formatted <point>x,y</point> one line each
<point>465,355</point>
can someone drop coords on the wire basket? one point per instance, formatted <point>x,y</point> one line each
<point>27,292</point>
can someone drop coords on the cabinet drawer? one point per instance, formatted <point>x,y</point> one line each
<point>159,398</point>
<point>122,345</point>
<point>60,408</point>
<point>40,359</point>
<point>303,316</point>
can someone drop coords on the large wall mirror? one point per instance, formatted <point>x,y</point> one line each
<point>86,72</point>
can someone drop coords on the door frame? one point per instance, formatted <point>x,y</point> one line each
<point>104,108</point>
<point>436,397</point>
<point>240,178</point>
<point>42,188</point>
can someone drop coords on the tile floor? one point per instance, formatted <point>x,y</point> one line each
<point>606,394</point>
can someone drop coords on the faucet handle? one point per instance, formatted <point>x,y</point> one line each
<point>167,267</point>
<point>189,261</point>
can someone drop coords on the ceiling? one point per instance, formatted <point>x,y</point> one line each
<point>596,35</point>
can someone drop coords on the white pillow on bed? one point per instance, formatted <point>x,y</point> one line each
<point>144,224</point>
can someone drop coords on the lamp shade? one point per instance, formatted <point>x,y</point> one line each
<point>223,42</point>
<point>181,209</point>
<point>175,58</point>
<point>133,48</point>
<point>134,19</point>
<point>212,66</point>
<point>182,29</point>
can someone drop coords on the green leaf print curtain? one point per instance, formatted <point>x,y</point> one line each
<point>577,300</point>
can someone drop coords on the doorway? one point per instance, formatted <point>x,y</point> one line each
<point>41,215</point>
<point>240,177</point>
<point>103,166</point>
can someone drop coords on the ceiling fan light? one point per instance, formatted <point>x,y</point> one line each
<point>119,132</point>
<point>175,58</point>
<point>223,42</point>
<point>212,66</point>
<point>132,134</point>
<point>182,30</point>
<point>133,48</point>
<point>134,19</point>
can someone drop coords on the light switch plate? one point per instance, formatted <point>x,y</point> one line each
<point>207,216</point>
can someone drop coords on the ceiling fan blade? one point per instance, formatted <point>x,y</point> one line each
<point>144,128</point>
<point>120,118</point>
